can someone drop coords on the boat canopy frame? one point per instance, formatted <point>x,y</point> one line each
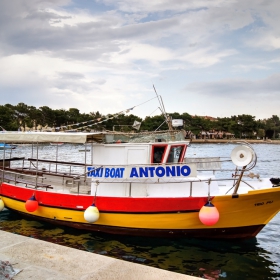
<point>90,137</point>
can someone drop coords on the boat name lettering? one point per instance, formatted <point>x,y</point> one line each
<point>263,203</point>
<point>160,171</point>
<point>141,171</point>
<point>106,172</point>
<point>259,204</point>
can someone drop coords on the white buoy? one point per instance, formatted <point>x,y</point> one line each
<point>91,214</point>
<point>2,205</point>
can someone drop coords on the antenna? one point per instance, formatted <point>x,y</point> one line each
<point>167,117</point>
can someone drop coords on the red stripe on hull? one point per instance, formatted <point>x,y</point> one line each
<point>104,204</point>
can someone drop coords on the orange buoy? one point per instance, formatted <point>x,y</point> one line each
<point>209,214</point>
<point>31,204</point>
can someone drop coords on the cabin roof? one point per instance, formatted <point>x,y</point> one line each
<point>88,137</point>
<point>65,137</point>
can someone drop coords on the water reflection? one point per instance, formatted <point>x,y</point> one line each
<point>248,259</point>
<point>251,259</point>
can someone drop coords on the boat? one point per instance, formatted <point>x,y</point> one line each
<point>56,143</point>
<point>140,184</point>
<point>4,146</point>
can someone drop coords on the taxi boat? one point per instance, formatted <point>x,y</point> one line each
<point>141,184</point>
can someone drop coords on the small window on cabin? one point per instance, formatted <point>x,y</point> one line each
<point>175,154</point>
<point>158,154</point>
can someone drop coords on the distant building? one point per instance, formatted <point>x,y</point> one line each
<point>212,119</point>
<point>212,134</point>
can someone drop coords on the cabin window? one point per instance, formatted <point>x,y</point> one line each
<point>158,154</point>
<point>176,154</point>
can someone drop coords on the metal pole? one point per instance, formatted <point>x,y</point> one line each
<point>238,181</point>
<point>85,169</point>
<point>37,165</point>
<point>167,118</point>
<point>56,157</point>
<point>3,163</point>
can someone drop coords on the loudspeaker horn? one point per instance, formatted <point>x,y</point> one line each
<point>241,155</point>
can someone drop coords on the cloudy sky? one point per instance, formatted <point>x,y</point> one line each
<point>216,58</point>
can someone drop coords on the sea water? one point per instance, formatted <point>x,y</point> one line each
<point>256,258</point>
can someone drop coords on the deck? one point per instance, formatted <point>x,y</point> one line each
<point>54,178</point>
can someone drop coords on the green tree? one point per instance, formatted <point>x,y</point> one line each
<point>245,126</point>
<point>272,127</point>
<point>48,116</point>
<point>154,123</point>
<point>21,114</point>
<point>225,125</point>
<point>8,119</point>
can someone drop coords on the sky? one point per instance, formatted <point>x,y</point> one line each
<point>206,58</point>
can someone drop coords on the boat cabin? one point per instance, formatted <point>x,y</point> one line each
<point>139,153</point>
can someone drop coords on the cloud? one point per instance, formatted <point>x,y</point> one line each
<point>105,55</point>
<point>237,88</point>
<point>206,57</point>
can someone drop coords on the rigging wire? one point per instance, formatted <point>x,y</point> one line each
<point>99,119</point>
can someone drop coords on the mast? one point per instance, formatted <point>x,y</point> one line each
<point>162,108</point>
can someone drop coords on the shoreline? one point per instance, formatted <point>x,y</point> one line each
<point>37,259</point>
<point>218,141</point>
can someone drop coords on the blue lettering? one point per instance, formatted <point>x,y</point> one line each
<point>170,170</point>
<point>178,170</point>
<point>93,172</point>
<point>112,173</point>
<point>152,169</point>
<point>160,171</point>
<point>107,172</point>
<point>133,172</point>
<point>185,170</point>
<point>96,172</point>
<point>143,172</point>
<point>117,175</point>
<point>122,170</point>
<point>90,169</point>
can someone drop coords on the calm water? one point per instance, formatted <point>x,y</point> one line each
<point>257,258</point>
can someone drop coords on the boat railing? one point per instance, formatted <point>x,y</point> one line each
<point>77,170</point>
<point>190,181</point>
<point>56,164</point>
<point>32,181</point>
<point>70,172</point>
<point>78,173</point>
<point>211,163</point>
<point>7,161</point>
<point>232,175</point>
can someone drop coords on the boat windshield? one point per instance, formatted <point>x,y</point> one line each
<point>176,154</point>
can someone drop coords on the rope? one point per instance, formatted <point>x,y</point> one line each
<point>101,121</point>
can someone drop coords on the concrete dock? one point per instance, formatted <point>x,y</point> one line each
<point>47,261</point>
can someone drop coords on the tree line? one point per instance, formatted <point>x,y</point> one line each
<point>22,116</point>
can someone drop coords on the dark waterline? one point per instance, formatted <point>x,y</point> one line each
<point>256,258</point>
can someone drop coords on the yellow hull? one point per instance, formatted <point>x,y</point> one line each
<point>252,209</point>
